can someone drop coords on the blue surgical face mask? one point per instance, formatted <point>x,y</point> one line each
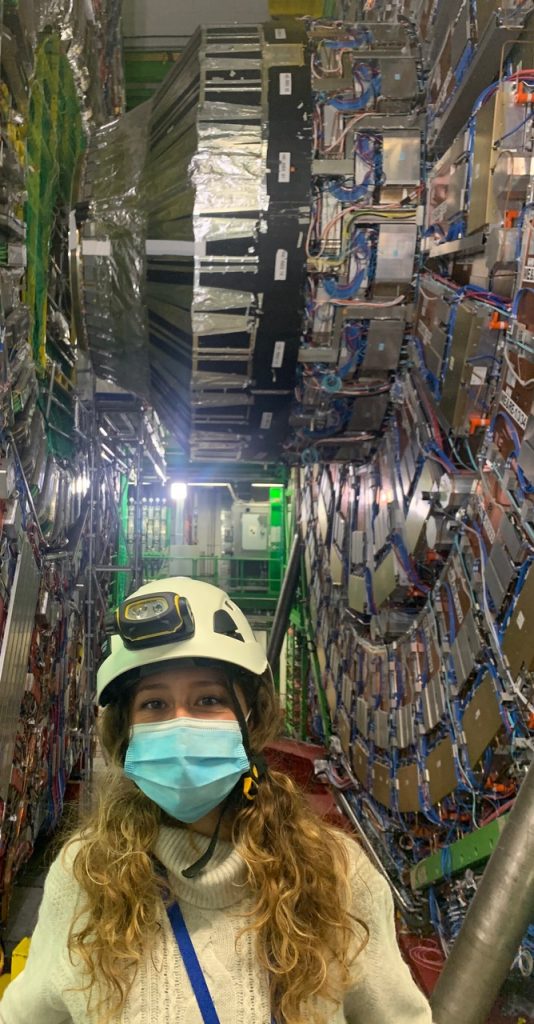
<point>186,765</point>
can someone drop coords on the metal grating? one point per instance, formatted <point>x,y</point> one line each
<point>14,656</point>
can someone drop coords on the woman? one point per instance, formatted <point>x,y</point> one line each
<point>203,889</point>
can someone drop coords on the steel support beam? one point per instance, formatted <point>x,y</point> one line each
<point>283,608</point>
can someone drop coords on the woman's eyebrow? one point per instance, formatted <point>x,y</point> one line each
<point>151,686</point>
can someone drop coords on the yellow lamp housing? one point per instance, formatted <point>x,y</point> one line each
<point>154,619</point>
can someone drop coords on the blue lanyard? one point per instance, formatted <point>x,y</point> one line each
<point>193,968</point>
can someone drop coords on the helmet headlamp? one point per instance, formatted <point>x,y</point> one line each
<point>154,619</point>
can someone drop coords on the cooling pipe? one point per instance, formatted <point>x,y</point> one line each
<point>501,911</point>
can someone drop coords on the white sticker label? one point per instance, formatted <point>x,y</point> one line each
<point>520,620</point>
<point>286,83</point>
<point>278,355</point>
<point>516,413</point>
<point>284,167</point>
<point>96,247</point>
<point>280,265</point>
<point>280,33</point>
<point>73,231</point>
<point>478,375</point>
<point>266,421</point>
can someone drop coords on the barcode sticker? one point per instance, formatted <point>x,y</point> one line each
<point>280,33</point>
<point>278,355</point>
<point>266,421</point>
<point>286,83</point>
<point>280,265</point>
<point>284,167</point>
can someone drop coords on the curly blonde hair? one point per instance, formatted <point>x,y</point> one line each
<point>298,874</point>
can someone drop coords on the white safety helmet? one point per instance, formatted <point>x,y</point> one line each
<point>173,619</point>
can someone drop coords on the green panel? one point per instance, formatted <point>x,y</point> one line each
<point>144,72</point>
<point>276,535</point>
<point>465,853</point>
<point>55,141</point>
<point>123,555</point>
<point>152,72</point>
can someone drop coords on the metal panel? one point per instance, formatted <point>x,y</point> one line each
<point>382,784</point>
<point>441,772</point>
<point>381,721</point>
<point>517,643</point>
<point>356,596</point>
<point>385,579</point>
<point>408,789</point>
<point>384,341</point>
<point>499,574</point>
<point>433,701</point>
<point>404,725</point>
<point>336,566</point>
<point>360,762</point>
<point>402,158</point>
<point>14,656</point>
<point>399,78</point>
<point>396,252</point>
<point>478,207</point>
<point>358,547</point>
<point>362,716</point>
<point>482,720</point>
<point>368,415</point>
<point>510,536</point>
<point>460,34</point>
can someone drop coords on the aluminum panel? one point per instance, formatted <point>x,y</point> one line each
<point>399,78</point>
<point>517,643</point>
<point>481,720</point>
<point>362,716</point>
<point>336,566</point>
<point>14,655</point>
<point>404,725</point>
<point>360,763</point>
<point>460,34</point>
<point>396,252</point>
<point>510,536</point>
<point>357,598</point>
<point>402,158</point>
<point>408,789</point>
<point>441,771</point>
<point>346,691</point>
<point>381,723</point>
<point>385,579</point>
<point>368,415</point>
<point>357,553</point>
<point>382,784</point>
<point>384,342</point>
<point>433,702</point>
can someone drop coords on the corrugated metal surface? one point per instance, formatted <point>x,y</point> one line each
<point>14,656</point>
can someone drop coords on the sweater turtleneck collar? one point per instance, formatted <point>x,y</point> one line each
<point>221,884</point>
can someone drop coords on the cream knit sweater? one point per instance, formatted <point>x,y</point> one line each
<point>161,994</point>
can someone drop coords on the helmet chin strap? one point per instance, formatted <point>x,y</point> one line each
<point>246,786</point>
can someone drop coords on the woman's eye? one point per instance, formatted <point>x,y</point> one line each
<point>210,701</point>
<point>148,705</point>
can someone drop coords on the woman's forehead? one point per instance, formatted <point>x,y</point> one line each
<point>182,676</point>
